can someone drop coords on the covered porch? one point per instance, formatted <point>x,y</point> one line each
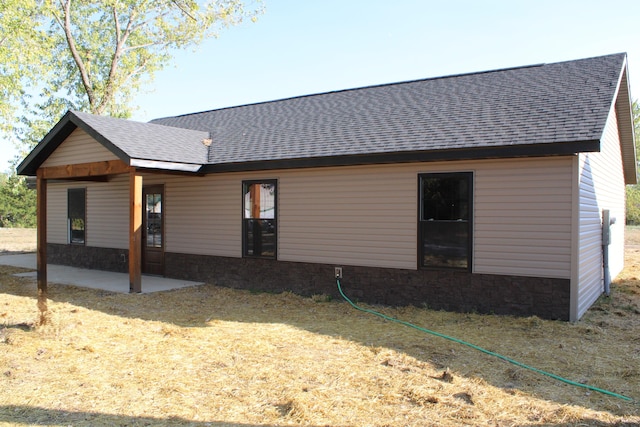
<point>93,279</point>
<point>100,171</point>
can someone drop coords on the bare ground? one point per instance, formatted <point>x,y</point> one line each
<point>213,356</point>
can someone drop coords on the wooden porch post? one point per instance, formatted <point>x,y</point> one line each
<point>135,231</point>
<point>41,224</point>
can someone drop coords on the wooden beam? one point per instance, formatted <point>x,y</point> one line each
<point>85,170</point>
<point>135,231</point>
<point>101,178</point>
<point>254,195</point>
<point>41,223</point>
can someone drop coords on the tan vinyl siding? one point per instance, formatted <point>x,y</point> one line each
<point>202,214</point>
<point>57,213</point>
<point>352,215</point>
<point>523,218</point>
<point>108,213</point>
<point>349,216</point>
<point>360,215</point>
<point>107,222</point>
<point>367,215</point>
<point>79,147</point>
<point>601,186</point>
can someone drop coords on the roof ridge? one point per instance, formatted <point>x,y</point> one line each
<point>379,85</point>
<point>331,92</point>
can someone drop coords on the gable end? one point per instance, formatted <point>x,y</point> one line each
<point>52,141</point>
<point>624,113</point>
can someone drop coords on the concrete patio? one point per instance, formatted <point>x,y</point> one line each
<point>94,279</point>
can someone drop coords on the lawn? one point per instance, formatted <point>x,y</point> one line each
<point>213,356</point>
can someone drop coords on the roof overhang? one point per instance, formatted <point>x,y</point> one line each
<point>165,166</point>
<point>498,152</point>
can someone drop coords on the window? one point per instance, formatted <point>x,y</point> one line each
<point>259,218</point>
<point>76,215</point>
<point>153,217</point>
<point>445,220</point>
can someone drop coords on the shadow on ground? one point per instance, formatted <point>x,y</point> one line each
<point>27,415</point>
<point>196,307</point>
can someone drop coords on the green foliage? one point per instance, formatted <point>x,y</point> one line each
<point>17,202</point>
<point>23,47</point>
<point>633,191</point>
<point>104,50</point>
<point>94,56</point>
<point>91,56</point>
<point>633,204</point>
<point>636,123</point>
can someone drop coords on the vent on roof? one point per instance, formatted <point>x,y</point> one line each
<point>207,142</point>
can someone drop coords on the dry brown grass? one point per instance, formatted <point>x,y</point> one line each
<point>212,356</point>
<point>15,240</point>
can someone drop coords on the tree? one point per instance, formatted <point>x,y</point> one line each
<point>23,44</point>
<point>17,202</point>
<point>95,55</point>
<point>109,47</point>
<point>636,124</point>
<point>633,191</point>
<point>89,55</point>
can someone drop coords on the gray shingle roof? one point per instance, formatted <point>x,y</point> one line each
<point>541,104</point>
<point>148,141</point>
<point>546,109</point>
<point>137,144</point>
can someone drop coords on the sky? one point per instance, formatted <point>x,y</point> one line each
<point>301,47</point>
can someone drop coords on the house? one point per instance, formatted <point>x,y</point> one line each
<point>485,192</point>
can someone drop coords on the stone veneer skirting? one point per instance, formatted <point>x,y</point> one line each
<point>441,290</point>
<point>88,257</point>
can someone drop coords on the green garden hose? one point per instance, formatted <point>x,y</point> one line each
<point>483,350</point>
